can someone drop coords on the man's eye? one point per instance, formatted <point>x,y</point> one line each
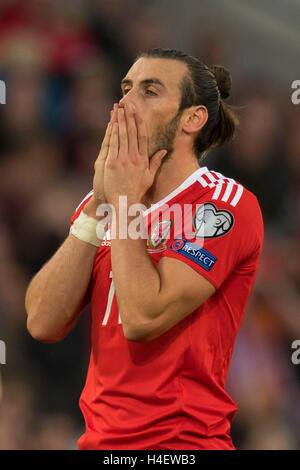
<point>125,91</point>
<point>150,92</point>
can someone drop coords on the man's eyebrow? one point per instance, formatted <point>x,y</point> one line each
<point>146,81</point>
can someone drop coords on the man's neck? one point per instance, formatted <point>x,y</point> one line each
<point>172,173</point>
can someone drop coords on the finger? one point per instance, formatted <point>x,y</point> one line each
<point>142,135</point>
<point>156,162</point>
<point>131,131</point>
<point>123,138</point>
<point>114,144</point>
<point>105,143</point>
<point>114,117</point>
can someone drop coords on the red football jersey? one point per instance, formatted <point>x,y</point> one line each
<point>169,393</point>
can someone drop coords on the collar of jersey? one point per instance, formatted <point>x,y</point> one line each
<point>184,185</point>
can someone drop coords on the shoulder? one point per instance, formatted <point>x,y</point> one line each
<point>226,191</point>
<point>224,204</point>
<point>221,188</point>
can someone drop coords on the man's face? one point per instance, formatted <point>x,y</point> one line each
<point>152,85</point>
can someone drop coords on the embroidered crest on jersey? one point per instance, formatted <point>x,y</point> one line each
<point>158,235</point>
<point>194,252</point>
<point>209,222</point>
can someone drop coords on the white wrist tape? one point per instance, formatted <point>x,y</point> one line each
<point>88,229</point>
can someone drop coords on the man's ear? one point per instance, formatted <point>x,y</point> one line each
<point>195,118</point>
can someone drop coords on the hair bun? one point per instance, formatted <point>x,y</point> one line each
<point>223,79</point>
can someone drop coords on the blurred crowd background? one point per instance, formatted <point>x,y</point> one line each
<point>62,63</point>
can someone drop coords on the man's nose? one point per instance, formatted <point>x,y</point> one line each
<point>123,101</point>
<point>128,98</point>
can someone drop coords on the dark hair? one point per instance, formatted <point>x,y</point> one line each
<point>207,86</point>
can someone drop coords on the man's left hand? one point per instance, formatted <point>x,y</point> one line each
<point>128,171</point>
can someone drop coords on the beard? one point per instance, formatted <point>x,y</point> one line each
<point>164,137</point>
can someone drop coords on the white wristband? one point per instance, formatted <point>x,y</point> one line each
<point>88,229</point>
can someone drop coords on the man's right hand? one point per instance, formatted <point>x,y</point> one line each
<point>98,186</point>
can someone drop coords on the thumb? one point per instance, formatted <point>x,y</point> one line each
<point>156,160</point>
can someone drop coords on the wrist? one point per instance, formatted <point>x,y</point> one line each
<point>88,229</point>
<point>91,207</point>
<point>123,202</point>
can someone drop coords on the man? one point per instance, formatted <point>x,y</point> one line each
<point>166,309</point>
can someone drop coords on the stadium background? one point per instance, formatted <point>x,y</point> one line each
<point>62,63</point>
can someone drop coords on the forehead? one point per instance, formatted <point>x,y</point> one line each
<point>170,72</point>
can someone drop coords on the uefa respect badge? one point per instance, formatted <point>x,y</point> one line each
<point>194,252</point>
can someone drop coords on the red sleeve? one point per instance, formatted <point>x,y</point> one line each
<point>223,238</point>
<point>80,207</point>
